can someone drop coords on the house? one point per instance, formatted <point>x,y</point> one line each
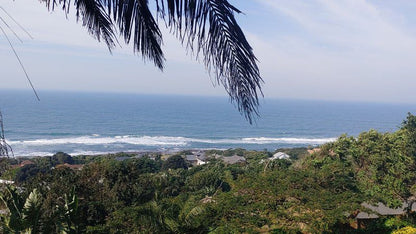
<point>194,160</point>
<point>378,210</point>
<point>26,162</point>
<point>199,154</point>
<point>200,162</point>
<point>22,164</point>
<point>202,157</point>
<point>234,159</point>
<point>191,159</point>
<point>280,155</point>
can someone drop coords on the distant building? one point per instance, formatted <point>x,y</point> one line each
<point>280,155</point>
<point>195,160</point>
<point>378,210</point>
<point>234,159</point>
<point>26,162</point>
<point>200,162</point>
<point>381,209</point>
<point>199,154</point>
<point>22,164</point>
<point>191,159</point>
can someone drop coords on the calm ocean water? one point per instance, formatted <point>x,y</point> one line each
<point>92,123</point>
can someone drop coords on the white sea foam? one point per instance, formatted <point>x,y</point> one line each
<point>166,141</point>
<point>266,140</point>
<point>90,140</point>
<point>42,154</point>
<point>32,154</point>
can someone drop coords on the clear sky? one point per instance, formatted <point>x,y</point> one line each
<point>355,50</point>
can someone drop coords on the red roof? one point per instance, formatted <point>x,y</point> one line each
<point>26,162</point>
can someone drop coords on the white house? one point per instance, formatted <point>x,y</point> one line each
<point>200,162</point>
<point>280,155</point>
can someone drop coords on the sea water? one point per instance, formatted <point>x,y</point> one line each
<point>94,123</point>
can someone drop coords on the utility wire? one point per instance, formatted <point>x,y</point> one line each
<point>20,26</point>
<point>5,23</point>
<point>21,64</point>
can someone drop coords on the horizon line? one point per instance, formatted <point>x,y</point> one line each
<point>262,100</point>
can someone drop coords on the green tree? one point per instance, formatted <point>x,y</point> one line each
<point>409,126</point>
<point>205,27</point>
<point>385,172</point>
<point>61,158</point>
<point>28,172</point>
<point>146,218</point>
<point>175,162</point>
<point>4,165</point>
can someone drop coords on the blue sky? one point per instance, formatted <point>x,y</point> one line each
<point>353,50</point>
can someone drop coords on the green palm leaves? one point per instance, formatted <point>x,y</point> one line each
<point>24,215</point>
<point>207,28</point>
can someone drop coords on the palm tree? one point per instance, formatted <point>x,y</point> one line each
<point>206,27</point>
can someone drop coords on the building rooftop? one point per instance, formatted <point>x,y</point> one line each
<point>381,209</point>
<point>191,157</point>
<point>280,155</point>
<point>233,159</point>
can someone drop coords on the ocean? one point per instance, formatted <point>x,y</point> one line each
<point>96,123</point>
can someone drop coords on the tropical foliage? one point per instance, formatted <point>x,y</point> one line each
<point>321,192</point>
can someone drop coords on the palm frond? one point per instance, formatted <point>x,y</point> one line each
<point>206,27</point>
<point>93,15</point>
<point>32,210</point>
<point>14,203</point>
<point>210,25</point>
<point>134,17</point>
<point>193,214</point>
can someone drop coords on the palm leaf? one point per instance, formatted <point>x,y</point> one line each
<point>193,214</point>
<point>32,210</point>
<point>14,202</point>
<point>209,28</point>
<point>134,17</point>
<point>206,27</point>
<point>96,20</point>
<point>93,16</point>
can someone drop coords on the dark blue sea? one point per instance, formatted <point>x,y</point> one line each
<point>94,123</point>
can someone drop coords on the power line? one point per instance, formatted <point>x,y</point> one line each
<point>20,62</point>
<point>20,26</point>
<point>5,23</point>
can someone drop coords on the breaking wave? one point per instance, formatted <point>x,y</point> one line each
<point>166,141</point>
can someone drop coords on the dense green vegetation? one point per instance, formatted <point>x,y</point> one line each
<point>321,192</point>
